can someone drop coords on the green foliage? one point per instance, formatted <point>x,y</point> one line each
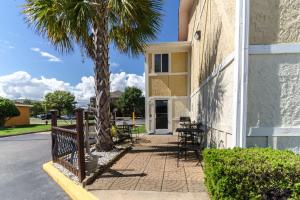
<point>253,173</point>
<point>37,108</point>
<point>132,23</point>
<point>8,109</point>
<point>132,100</point>
<point>113,131</point>
<point>60,100</point>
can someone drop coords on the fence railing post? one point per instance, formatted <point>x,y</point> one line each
<point>80,143</point>
<point>53,124</point>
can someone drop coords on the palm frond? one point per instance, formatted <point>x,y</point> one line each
<point>63,22</point>
<point>134,23</point>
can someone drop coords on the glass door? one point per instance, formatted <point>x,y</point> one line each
<point>161,111</point>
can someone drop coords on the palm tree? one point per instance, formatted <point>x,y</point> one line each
<point>93,24</point>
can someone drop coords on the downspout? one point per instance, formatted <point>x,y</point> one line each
<point>239,126</point>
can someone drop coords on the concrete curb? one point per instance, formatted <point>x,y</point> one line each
<point>76,192</point>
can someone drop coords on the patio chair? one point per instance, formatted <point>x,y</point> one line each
<point>124,132</point>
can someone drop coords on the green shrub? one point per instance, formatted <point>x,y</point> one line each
<point>8,109</point>
<point>253,173</point>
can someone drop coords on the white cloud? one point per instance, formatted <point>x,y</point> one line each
<point>35,49</point>
<point>45,54</point>
<point>21,85</point>
<point>6,44</point>
<point>121,80</point>
<point>114,64</point>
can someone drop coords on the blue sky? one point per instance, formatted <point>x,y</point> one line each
<point>30,66</point>
<point>17,39</point>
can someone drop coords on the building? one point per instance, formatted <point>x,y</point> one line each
<point>22,119</point>
<point>242,73</point>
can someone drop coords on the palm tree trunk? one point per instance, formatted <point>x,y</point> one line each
<point>102,75</point>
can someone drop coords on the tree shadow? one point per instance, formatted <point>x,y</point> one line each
<point>211,94</point>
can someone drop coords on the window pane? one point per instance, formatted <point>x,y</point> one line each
<point>165,63</point>
<point>157,61</point>
<point>161,106</point>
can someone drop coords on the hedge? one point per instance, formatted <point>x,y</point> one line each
<point>254,173</point>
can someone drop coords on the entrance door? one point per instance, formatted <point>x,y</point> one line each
<point>161,112</point>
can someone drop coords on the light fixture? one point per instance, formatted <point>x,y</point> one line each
<point>197,35</point>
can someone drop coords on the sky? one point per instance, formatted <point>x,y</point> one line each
<point>30,66</point>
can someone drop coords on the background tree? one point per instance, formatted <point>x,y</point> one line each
<point>132,100</point>
<point>60,100</point>
<point>93,24</point>
<point>25,101</point>
<point>8,109</point>
<point>37,108</point>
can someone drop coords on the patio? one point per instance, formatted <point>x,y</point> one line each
<point>152,166</point>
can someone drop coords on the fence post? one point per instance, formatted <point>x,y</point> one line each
<point>80,143</point>
<point>53,124</point>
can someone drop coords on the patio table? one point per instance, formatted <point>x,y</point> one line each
<point>190,139</point>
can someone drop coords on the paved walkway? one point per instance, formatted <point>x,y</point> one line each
<point>152,166</point>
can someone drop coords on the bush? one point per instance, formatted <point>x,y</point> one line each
<point>253,173</point>
<point>8,109</point>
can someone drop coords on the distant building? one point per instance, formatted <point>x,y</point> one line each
<point>114,97</point>
<point>22,119</point>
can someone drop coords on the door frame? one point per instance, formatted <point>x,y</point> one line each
<point>168,130</point>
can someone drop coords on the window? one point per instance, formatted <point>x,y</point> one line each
<point>161,62</point>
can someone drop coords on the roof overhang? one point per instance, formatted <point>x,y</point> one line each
<point>23,105</point>
<point>168,47</point>
<point>185,8</point>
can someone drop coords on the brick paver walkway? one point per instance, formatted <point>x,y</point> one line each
<point>152,166</point>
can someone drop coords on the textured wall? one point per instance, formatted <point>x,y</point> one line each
<point>288,142</point>
<point>159,86</point>
<point>274,90</point>
<point>172,85</point>
<point>178,85</point>
<point>179,62</point>
<point>22,119</point>
<point>215,19</point>
<point>150,66</point>
<point>179,108</point>
<point>274,21</point>
<point>213,105</point>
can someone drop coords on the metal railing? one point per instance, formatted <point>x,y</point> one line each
<point>67,147</point>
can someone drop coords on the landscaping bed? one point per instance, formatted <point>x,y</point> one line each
<point>253,173</point>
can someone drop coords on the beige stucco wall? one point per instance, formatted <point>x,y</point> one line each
<point>273,99</point>
<point>168,85</point>
<point>150,66</point>
<point>274,21</point>
<point>213,105</point>
<point>179,62</point>
<point>178,85</point>
<point>274,90</point>
<point>159,86</point>
<point>179,108</point>
<point>216,21</point>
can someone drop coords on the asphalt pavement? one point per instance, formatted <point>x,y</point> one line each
<point>21,173</point>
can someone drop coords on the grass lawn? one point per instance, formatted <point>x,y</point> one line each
<point>140,128</point>
<point>38,125</point>
<point>24,129</point>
